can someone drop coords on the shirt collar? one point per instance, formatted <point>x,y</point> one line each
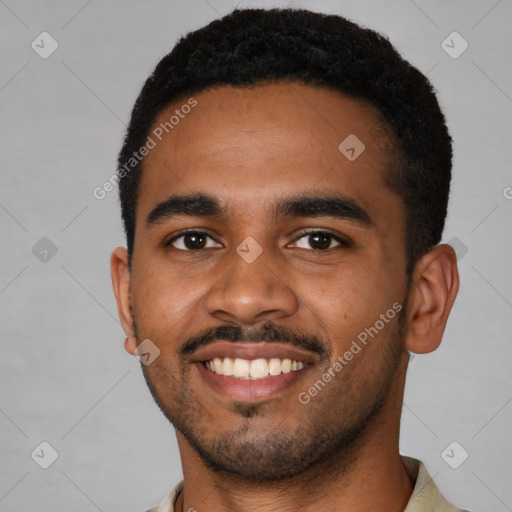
<point>425,497</point>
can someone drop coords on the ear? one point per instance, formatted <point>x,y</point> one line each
<point>435,283</point>
<point>121,283</point>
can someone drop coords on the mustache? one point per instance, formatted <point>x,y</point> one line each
<point>267,333</point>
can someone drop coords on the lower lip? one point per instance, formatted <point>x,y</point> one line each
<point>250,389</point>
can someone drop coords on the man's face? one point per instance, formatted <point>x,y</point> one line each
<point>256,281</point>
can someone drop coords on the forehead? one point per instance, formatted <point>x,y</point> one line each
<point>248,144</point>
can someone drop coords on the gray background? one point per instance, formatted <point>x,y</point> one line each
<point>66,378</point>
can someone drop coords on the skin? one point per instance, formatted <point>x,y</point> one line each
<point>250,148</point>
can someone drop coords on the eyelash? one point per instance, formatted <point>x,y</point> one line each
<point>181,234</point>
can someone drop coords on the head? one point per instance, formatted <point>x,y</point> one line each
<point>289,201</point>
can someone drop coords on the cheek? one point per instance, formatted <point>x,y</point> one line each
<point>161,299</point>
<point>350,302</point>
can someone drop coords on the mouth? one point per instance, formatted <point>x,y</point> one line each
<point>252,371</point>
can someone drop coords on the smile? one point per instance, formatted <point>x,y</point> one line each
<point>252,369</point>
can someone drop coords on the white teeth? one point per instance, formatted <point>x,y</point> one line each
<point>241,367</point>
<point>274,366</point>
<point>217,365</point>
<point>252,369</point>
<point>259,368</point>
<point>227,367</point>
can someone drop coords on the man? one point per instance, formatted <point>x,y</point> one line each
<point>284,183</point>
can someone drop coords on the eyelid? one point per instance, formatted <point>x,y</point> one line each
<point>186,231</point>
<point>343,241</point>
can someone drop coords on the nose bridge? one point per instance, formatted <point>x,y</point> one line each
<point>251,287</point>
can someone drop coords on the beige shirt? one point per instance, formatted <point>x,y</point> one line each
<point>425,496</point>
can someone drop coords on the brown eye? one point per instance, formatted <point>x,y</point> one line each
<point>191,241</point>
<point>194,241</point>
<point>318,240</point>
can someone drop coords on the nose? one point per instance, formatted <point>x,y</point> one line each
<point>251,292</point>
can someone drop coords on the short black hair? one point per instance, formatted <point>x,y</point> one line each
<point>257,46</point>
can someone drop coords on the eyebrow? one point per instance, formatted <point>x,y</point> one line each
<point>333,205</point>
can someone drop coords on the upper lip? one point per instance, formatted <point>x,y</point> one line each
<point>251,350</point>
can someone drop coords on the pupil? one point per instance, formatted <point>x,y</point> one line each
<point>324,241</point>
<point>320,241</point>
<point>194,241</point>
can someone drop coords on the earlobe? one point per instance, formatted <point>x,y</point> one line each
<point>130,344</point>
<point>121,280</point>
<point>433,290</point>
